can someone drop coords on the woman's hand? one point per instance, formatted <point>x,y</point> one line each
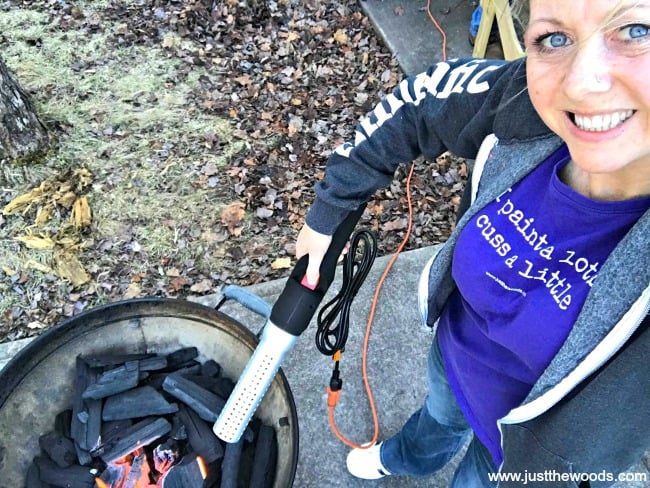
<point>315,245</point>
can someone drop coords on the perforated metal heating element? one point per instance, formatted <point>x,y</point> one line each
<point>256,378</point>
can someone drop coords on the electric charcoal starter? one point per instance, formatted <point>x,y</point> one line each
<point>290,316</point>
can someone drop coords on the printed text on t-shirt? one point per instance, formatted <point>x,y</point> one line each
<point>552,275</point>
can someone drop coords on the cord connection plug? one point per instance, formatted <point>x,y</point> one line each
<point>336,383</point>
<point>332,397</point>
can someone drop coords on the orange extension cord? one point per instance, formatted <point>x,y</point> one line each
<point>440,29</point>
<point>333,396</point>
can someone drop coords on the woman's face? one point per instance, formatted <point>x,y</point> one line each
<point>589,79</point>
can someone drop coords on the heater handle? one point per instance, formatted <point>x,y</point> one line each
<point>296,305</point>
<point>250,300</point>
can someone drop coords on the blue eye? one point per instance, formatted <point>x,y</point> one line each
<point>553,40</point>
<point>557,40</point>
<point>635,31</point>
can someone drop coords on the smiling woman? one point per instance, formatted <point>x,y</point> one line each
<point>588,66</point>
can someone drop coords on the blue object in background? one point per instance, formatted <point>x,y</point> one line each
<point>476,20</point>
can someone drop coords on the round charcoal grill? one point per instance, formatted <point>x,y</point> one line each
<point>39,382</point>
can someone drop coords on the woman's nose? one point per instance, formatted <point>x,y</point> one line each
<point>589,69</point>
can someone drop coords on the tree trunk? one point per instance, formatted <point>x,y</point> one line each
<point>21,132</point>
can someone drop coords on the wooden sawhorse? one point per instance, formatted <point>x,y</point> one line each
<point>499,10</point>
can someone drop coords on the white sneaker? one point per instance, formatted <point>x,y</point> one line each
<point>366,463</point>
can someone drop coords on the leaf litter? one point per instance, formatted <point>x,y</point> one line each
<point>190,135</point>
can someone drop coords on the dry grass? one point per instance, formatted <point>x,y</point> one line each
<point>127,116</point>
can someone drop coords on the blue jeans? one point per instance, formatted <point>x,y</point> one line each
<point>434,434</point>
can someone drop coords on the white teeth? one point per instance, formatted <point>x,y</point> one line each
<point>600,123</point>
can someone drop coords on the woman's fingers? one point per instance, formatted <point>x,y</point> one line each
<point>315,245</point>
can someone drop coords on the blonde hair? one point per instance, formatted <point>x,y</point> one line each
<point>520,11</point>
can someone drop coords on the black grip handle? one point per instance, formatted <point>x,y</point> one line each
<point>296,305</point>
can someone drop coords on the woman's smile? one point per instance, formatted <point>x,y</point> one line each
<point>601,122</point>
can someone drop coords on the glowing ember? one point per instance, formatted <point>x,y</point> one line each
<point>202,467</point>
<point>132,471</point>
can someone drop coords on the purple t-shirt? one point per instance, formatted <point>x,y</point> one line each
<point>524,266</point>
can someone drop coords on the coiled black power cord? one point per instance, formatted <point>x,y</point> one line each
<point>332,334</point>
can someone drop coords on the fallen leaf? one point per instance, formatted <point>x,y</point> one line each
<point>133,291</point>
<point>202,286</point>
<point>236,252</point>
<point>21,201</point>
<point>243,80</point>
<point>137,277</point>
<point>36,325</point>
<point>290,248</point>
<point>210,169</point>
<point>8,271</point>
<point>172,272</point>
<point>376,210</point>
<point>360,98</point>
<point>177,283</point>
<point>281,263</point>
<point>232,216</point>
<point>31,264</point>
<point>83,178</point>
<point>43,215</point>
<point>67,199</point>
<point>398,224</point>
<point>67,241</point>
<point>169,41</point>
<point>80,215</point>
<point>292,36</point>
<point>67,266</point>
<point>263,213</point>
<point>341,37</point>
<point>36,242</point>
